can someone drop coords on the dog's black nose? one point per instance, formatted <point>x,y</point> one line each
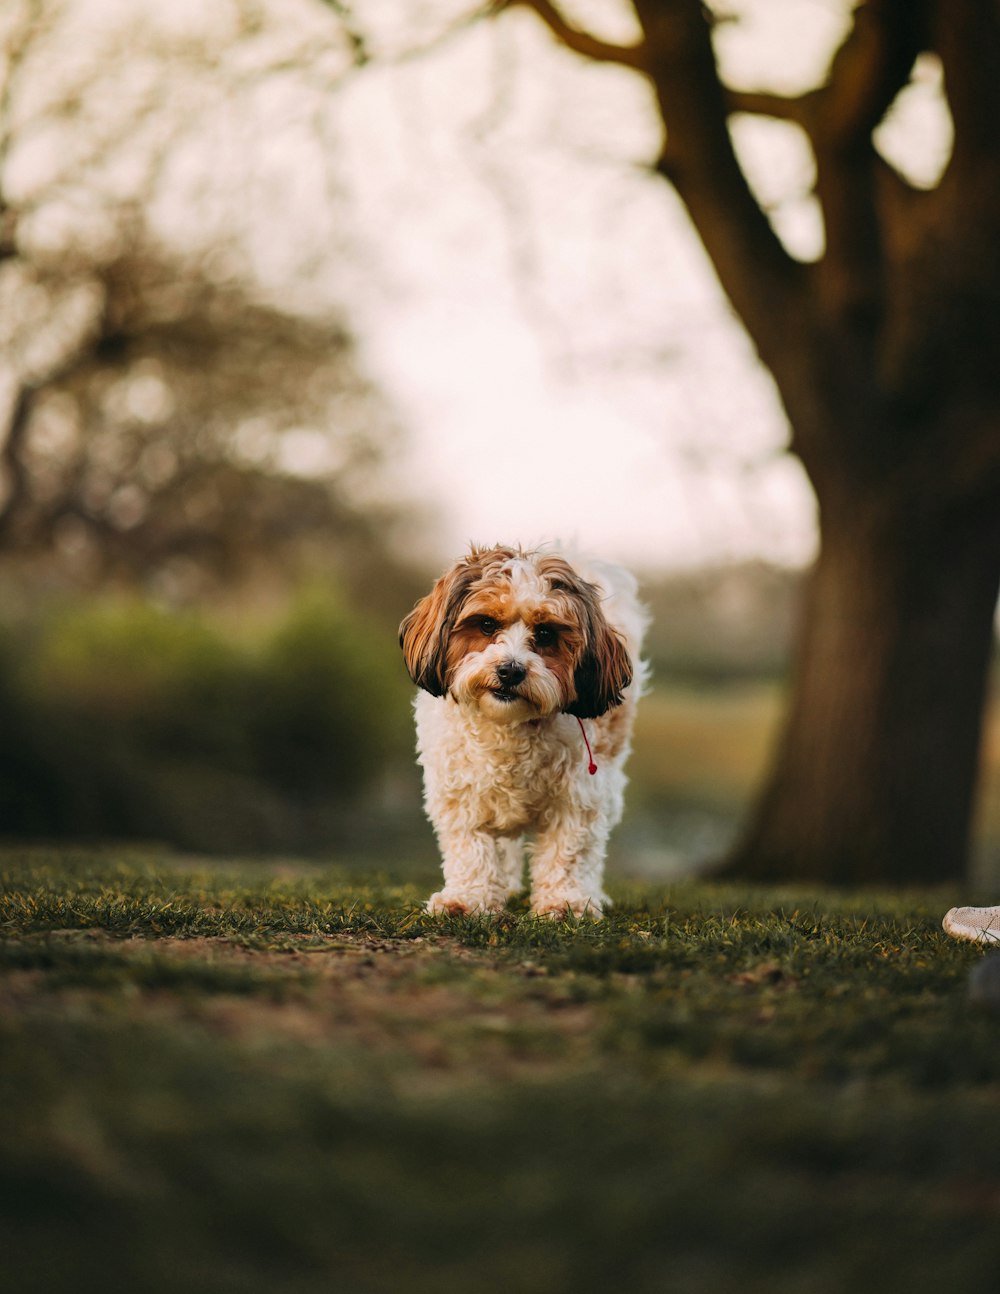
<point>510,673</point>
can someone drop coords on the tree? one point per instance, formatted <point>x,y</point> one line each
<point>884,352</point>
<point>198,441</point>
<point>176,411</point>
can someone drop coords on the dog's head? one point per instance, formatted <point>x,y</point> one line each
<point>518,634</point>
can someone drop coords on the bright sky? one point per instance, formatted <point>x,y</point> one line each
<point>532,300</point>
<point>541,310</point>
<point>546,321</point>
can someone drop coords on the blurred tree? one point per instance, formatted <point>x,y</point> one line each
<point>198,439</point>
<point>180,405</point>
<point>184,413</point>
<point>884,351</point>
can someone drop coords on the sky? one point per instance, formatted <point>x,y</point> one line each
<point>541,310</point>
<point>531,299</point>
<point>546,321</point>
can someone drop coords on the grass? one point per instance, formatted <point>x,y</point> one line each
<point>287,1077</point>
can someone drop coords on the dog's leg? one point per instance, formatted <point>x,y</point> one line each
<point>512,864</point>
<point>567,869</point>
<point>475,874</point>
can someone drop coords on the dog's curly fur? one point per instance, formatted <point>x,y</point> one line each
<point>512,650</point>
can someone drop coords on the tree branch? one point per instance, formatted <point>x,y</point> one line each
<point>762,103</point>
<point>13,56</point>
<point>352,32</point>
<point>16,477</point>
<point>15,434</point>
<point>868,71</point>
<point>763,282</point>
<point>870,68</point>
<point>967,38</point>
<point>579,41</point>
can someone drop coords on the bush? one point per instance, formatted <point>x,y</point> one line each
<point>122,720</point>
<point>328,702</point>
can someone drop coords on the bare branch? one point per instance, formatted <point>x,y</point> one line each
<point>353,33</point>
<point>579,41</point>
<point>967,38</point>
<point>761,103</point>
<point>17,484</point>
<point>763,282</point>
<point>870,68</point>
<point>18,45</point>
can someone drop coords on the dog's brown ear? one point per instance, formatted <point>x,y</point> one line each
<point>423,635</point>
<point>603,672</point>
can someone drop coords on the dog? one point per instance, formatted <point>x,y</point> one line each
<point>529,675</point>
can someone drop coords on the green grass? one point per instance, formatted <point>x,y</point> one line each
<point>289,1078</point>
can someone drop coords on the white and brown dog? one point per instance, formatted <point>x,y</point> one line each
<point>513,650</point>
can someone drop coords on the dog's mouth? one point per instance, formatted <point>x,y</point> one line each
<point>505,694</point>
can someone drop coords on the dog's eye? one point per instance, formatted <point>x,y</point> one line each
<point>546,636</point>
<point>488,626</point>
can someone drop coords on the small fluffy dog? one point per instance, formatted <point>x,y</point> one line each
<point>513,651</point>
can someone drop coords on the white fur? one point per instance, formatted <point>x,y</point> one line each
<point>498,772</point>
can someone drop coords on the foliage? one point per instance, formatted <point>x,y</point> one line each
<point>310,1081</point>
<point>124,720</point>
<point>205,441</point>
<point>181,405</point>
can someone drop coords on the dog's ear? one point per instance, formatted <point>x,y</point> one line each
<point>423,635</point>
<point>422,638</point>
<point>604,668</point>
<point>603,671</point>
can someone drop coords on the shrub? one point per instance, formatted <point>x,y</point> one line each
<point>125,720</point>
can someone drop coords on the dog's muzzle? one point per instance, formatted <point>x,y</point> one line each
<point>510,674</point>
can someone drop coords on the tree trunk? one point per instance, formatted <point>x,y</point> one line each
<point>874,774</point>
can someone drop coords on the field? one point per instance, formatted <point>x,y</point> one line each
<point>286,1077</point>
<point>701,751</point>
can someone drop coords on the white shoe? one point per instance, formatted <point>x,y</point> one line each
<point>980,925</point>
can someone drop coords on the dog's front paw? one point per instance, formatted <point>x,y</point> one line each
<point>457,903</point>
